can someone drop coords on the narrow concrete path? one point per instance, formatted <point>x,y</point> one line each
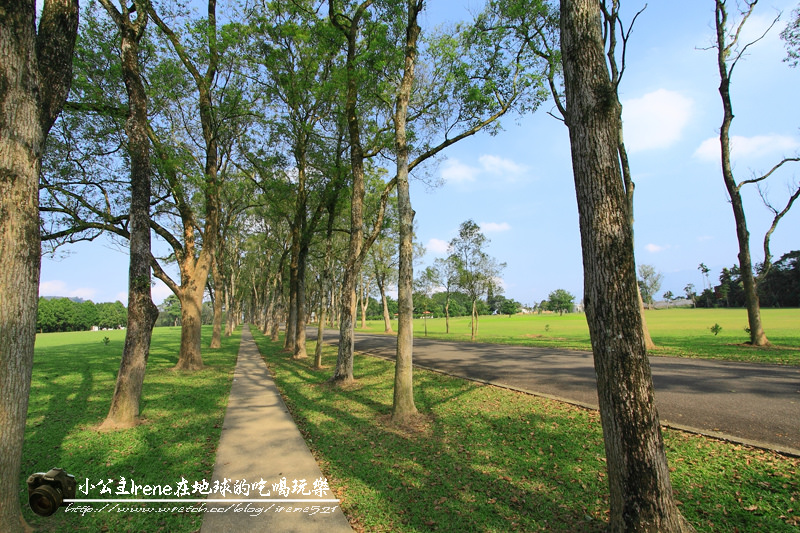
<point>260,441</point>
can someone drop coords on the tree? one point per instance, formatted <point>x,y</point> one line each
<point>403,400</point>
<point>142,312</point>
<point>447,274</point>
<point>640,491</point>
<point>510,307</point>
<point>195,265</point>
<point>36,71</point>
<point>477,271</point>
<point>351,27</point>
<point>649,283</point>
<point>668,296</point>
<point>690,294</point>
<point>536,24</point>
<point>729,52</point>
<point>170,311</point>
<point>560,301</point>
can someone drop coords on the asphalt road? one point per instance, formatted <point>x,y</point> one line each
<point>743,402</point>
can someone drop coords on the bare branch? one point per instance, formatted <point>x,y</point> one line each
<point>778,216</point>
<point>768,174</point>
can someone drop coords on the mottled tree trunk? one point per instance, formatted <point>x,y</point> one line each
<point>142,312</point>
<point>191,298</point>
<point>219,289</point>
<point>28,108</point>
<point>230,318</point>
<point>326,302</point>
<point>343,372</point>
<point>640,490</point>
<point>300,329</point>
<point>403,403</point>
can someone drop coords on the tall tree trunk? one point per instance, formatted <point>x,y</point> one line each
<point>344,358</point>
<point>142,312</point>
<point>300,328</point>
<point>36,72</point>
<point>291,321</point>
<point>640,489</point>
<point>757,335</point>
<point>230,316</point>
<point>326,301</point>
<point>403,403</point>
<point>219,289</point>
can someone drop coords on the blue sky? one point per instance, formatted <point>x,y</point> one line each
<point>518,185</point>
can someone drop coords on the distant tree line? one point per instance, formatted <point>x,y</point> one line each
<point>65,314</point>
<point>779,286</point>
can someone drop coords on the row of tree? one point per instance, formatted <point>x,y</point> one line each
<point>66,314</point>
<point>257,143</point>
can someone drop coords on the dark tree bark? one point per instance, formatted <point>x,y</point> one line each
<point>640,489</point>
<point>219,289</point>
<point>35,75</point>
<point>344,361</point>
<point>142,312</point>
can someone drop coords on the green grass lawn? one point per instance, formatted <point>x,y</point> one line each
<point>676,332</point>
<point>73,380</point>
<point>486,459</point>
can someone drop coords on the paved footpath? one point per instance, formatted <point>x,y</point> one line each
<point>743,402</point>
<point>260,440</point>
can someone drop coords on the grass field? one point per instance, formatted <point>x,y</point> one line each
<point>676,332</point>
<point>73,380</point>
<point>485,459</point>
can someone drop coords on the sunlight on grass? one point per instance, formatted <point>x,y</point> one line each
<point>490,459</point>
<point>73,380</point>
<point>676,332</point>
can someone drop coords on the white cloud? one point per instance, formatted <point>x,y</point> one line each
<point>656,120</point>
<point>500,166</point>
<point>655,248</point>
<point>52,288</point>
<point>747,147</point>
<point>59,288</point>
<point>84,293</point>
<point>437,246</point>
<point>491,227</point>
<point>457,172</point>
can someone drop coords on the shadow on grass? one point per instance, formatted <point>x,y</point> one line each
<point>461,474</point>
<point>496,460</point>
<point>71,392</point>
